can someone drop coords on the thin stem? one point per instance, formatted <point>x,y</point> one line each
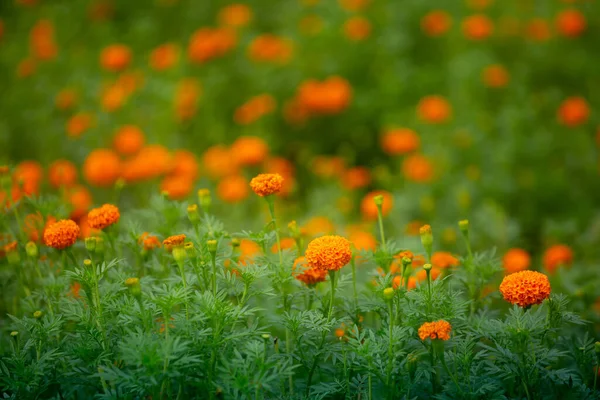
<point>381,233</point>
<point>180,264</point>
<point>389,381</point>
<point>271,203</point>
<point>214,275</point>
<point>353,265</point>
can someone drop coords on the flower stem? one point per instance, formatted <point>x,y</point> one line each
<point>390,382</point>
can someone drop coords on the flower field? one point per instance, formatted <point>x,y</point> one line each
<point>303,199</point>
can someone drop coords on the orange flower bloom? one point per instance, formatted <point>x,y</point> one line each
<point>115,57</point>
<point>363,240</point>
<point>357,28</point>
<point>34,225</point>
<point>254,109</point>
<point>186,99</point>
<point>417,168</point>
<point>28,176</point>
<point>74,291</point>
<point>61,234</point>
<point>104,216</point>
<point>235,15</point>
<point>477,27</point>
<point>218,162</point>
<point>435,330</point>
<point>436,23</point>
<point>421,275</point>
<point>368,207</point>
<point>173,241</point>
<point>149,242</point>
<point>208,43</point>
<point>434,109</point>
<point>538,30</point>
<point>41,41</point>
<point>400,141</point>
<point>66,99</point>
<point>573,111</point>
<point>266,184</point>
<point>26,67</point>
<point>233,189</point>
<point>354,5</point>
<point>164,57</point>
<point>102,167</point>
<point>328,167</point>
<point>185,164</point>
<point>283,167</point>
<point>177,187</point>
<point>525,288</point>
<point>330,96</point>
<point>515,260</point>
<point>85,230</point>
<point>78,124</point>
<point>557,256</point>
<point>62,173</point>
<point>286,243</point>
<point>128,140</point>
<point>329,253</point>
<point>271,48</point>
<point>80,199</point>
<point>570,23</point>
<point>495,76</point>
<point>443,259</point>
<point>356,178</point>
<point>309,276</point>
<point>113,97</point>
<point>318,226</point>
<point>248,249</point>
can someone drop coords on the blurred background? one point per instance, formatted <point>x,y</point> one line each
<point>474,109</point>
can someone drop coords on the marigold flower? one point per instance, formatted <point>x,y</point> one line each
<point>27,177</point>
<point>434,109</point>
<point>354,5</point>
<point>218,161</point>
<point>417,168</point>
<point>66,99</point>
<point>164,57</point>
<point>573,111</point>
<point>286,243</point>
<point>538,29</point>
<point>34,225</point>
<point>78,124</point>
<point>310,276</point>
<point>270,48</point>
<point>331,96</point>
<point>26,67</point>
<point>173,241</point>
<point>444,259</point>
<point>186,98</point>
<point>102,167</point>
<point>368,208</point>
<point>400,141</point>
<point>318,225</point>
<point>570,23</point>
<point>328,252</point>
<point>177,187</point>
<point>436,23</point>
<point>477,27</point>
<point>357,28</point>
<point>495,76</point>
<point>104,216</point>
<point>233,189</point>
<point>557,256</point>
<point>80,199</point>
<point>86,231</point>
<point>209,43</point>
<point>115,57</point>
<point>516,260</point>
<point>41,40</point>
<point>363,240</point>
<point>525,288</point>
<point>128,140</point>
<point>249,150</point>
<point>266,184</point>
<point>149,242</point>
<point>62,173</point>
<point>254,109</point>
<point>435,330</point>
<point>61,234</point>
<point>356,178</point>
<point>235,15</point>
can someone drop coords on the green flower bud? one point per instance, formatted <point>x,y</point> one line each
<point>204,199</point>
<point>99,245</point>
<point>378,200</point>
<point>193,214</point>
<point>134,286</point>
<point>87,263</point>
<point>32,250</point>
<point>90,243</point>
<point>464,226</point>
<point>37,314</point>
<point>388,293</point>
<point>265,336</point>
<point>179,254</point>
<point>190,249</point>
<point>235,243</point>
<point>212,246</point>
<point>427,267</point>
<point>14,333</point>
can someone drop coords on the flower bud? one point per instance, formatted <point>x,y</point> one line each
<point>388,293</point>
<point>378,200</point>
<point>99,245</point>
<point>37,314</point>
<point>120,184</point>
<point>193,214</point>
<point>190,249</point>
<point>293,227</point>
<point>426,238</point>
<point>464,226</point>
<point>427,267</point>
<point>87,263</point>
<point>14,333</point>
<point>265,336</point>
<point>204,199</point>
<point>90,243</point>
<point>133,284</point>
<point>235,243</point>
<point>31,249</point>
<point>179,254</point>
<point>212,246</point>
<point>406,261</point>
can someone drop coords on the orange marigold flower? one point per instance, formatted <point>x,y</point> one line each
<point>434,109</point>
<point>270,48</point>
<point>164,57</point>
<point>477,27</point>
<point>318,226</point>
<point>363,240</point>
<point>61,234</point>
<point>104,216</point>
<point>172,241</point>
<point>516,260</point>
<point>266,184</point>
<point>331,96</point>
<point>311,276</point>
<point>357,28</point>
<point>356,178</point>
<point>538,30</point>
<point>249,150</point>
<point>62,173</point>
<point>41,40</point>
<point>557,256</point>
<point>354,5</point>
<point>208,43</point>
<point>235,15</point>
<point>570,23</point>
<point>177,187</point>
<point>286,243</point>
<point>417,168</point>
<point>218,162</point>
<point>34,225</point>
<point>85,230</point>
<point>78,124</point>
<point>444,259</point>
<point>66,99</point>
<point>186,99</point>
<point>525,288</point>
<point>436,23</point>
<point>149,242</point>
<point>185,164</point>
<point>495,76</point>
<point>128,140</point>
<point>254,109</point>
<point>435,330</point>
<point>28,176</point>
<point>26,67</point>
<point>400,141</point>
<point>573,111</point>
<point>80,199</point>
<point>115,57</point>
<point>368,208</point>
<point>328,252</point>
<point>102,167</point>
<point>233,189</point>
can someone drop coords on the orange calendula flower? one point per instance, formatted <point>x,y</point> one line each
<point>400,141</point>
<point>173,241</point>
<point>573,111</point>
<point>443,259</point>
<point>368,208</point>
<point>516,260</point>
<point>266,184</point>
<point>436,23</point>
<point>329,253</point>
<point>525,288</point>
<point>62,173</point>
<point>495,76</point>
<point>233,189</point>
<point>477,27</point>
<point>104,216</point>
<point>61,234</point>
<point>435,330</point>
<point>434,109</point>
<point>115,57</point>
<point>41,41</point>
<point>235,15</point>
<point>557,256</point>
<point>538,30</point>
<point>357,28</point>
<point>102,167</point>
<point>570,23</point>
<point>309,276</point>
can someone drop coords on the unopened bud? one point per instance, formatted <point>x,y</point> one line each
<point>32,250</point>
<point>204,199</point>
<point>212,246</point>
<point>235,243</point>
<point>427,267</point>
<point>265,336</point>
<point>179,254</point>
<point>193,214</point>
<point>426,238</point>
<point>134,286</point>
<point>464,226</point>
<point>388,293</point>
<point>87,263</point>
<point>37,314</point>
<point>90,243</point>
<point>406,261</point>
<point>190,249</point>
<point>293,227</point>
<point>378,200</point>
<point>14,333</point>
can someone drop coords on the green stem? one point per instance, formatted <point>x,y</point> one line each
<point>389,381</point>
<point>355,293</point>
<point>214,274</point>
<point>381,232</point>
<point>180,264</point>
<point>271,203</point>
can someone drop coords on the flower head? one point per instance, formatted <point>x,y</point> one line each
<point>266,184</point>
<point>525,288</point>
<point>61,234</point>
<point>172,241</point>
<point>328,252</point>
<point>516,260</point>
<point>435,330</point>
<point>556,256</point>
<point>309,276</point>
<point>102,217</point>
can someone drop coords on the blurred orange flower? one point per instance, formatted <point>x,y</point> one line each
<point>515,260</point>
<point>559,255</point>
<point>363,240</point>
<point>400,141</point>
<point>115,57</point>
<point>434,109</point>
<point>80,200</point>
<point>357,28</point>
<point>477,27</point>
<point>254,109</point>
<point>417,168</point>
<point>66,99</point>
<point>164,57</point>
<point>570,23</point>
<point>356,178</point>
<point>218,161</point>
<point>249,150</point>
<point>128,140</point>
<point>235,15</point>
<point>368,207</point>
<point>79,123</point>
<point>328,167</point>
<point>538,29</point>
<point>62,173</point>
<point>177,187</point>
<point>330,96</point>
<point>102,167</point>
<point>573,111</point>
<point>436,23</point>
<point>495,76</point>
<point>185,163</point>
<point>270,48</point>
<point>209,43</point>
<point>26,67</point>
<point>318,225</point>
<point>444,259</point>
<point>186,98</point>
<point>41,41</point>
<point>233,189</point>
